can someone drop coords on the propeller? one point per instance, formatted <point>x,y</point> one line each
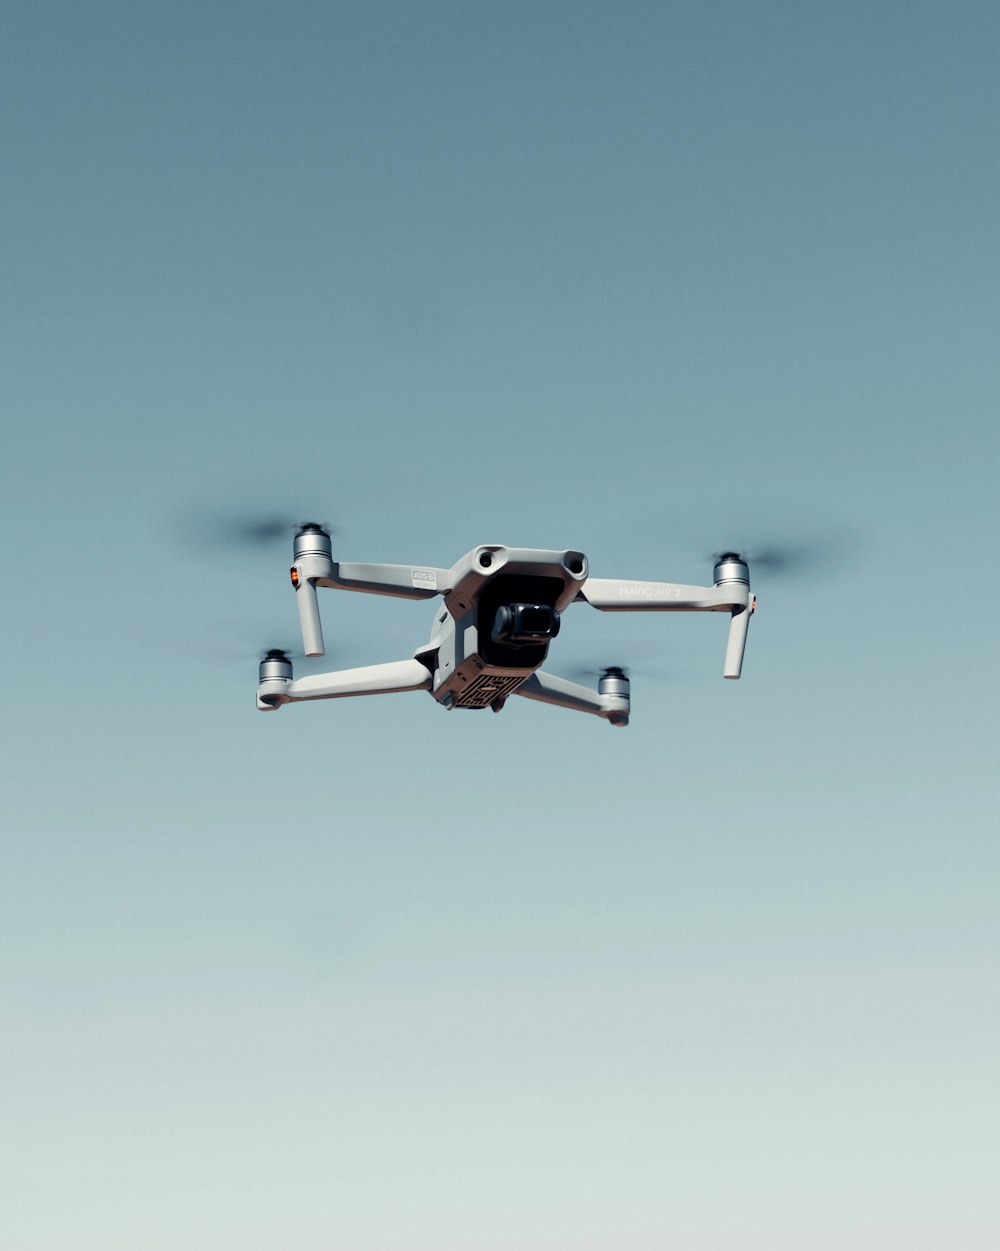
<point>261,531</point>
<point>280,653</point>
<point>594,672</point>
<point>800,559</point>
<point>199,530</point>
<point>794,544</point>
<point>587,670</point>
<point>294,656</point>
<point>230,657</point>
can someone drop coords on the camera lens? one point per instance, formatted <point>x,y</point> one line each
<point>535,620</point>
<point>524,624</point>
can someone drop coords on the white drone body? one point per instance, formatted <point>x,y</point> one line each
<point>502,608</point>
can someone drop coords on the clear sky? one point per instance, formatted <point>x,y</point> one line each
<point>647,279</point>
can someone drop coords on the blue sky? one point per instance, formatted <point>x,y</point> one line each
<point>643,279</point>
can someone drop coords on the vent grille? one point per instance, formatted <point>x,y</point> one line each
<point>481,692</point>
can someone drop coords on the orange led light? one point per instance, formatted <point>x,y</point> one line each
<point>295,577</point>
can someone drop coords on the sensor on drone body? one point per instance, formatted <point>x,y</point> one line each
<point>502,607</point>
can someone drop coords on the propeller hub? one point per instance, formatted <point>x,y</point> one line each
<point>730,567</point>
<point>275,664</point>
<point>312,540</point>
<point>614,682</point>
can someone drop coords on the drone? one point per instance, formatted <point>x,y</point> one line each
<point>502,608</point>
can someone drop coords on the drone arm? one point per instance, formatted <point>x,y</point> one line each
<point>736,644</point>
<point>312,629</point>
<point>549,689</point>
<point>612,595</point>
<point>397,675</point>
<point>400,581</point>
<point>317,568</point>
<point>732,597</point>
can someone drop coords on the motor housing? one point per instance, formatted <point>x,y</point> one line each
<point>731,567</point>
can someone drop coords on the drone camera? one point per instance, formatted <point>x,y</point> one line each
<point>521,624</point>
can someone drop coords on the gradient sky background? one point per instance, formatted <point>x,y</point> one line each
<point>646,279</point>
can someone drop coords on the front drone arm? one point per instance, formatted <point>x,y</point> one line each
<point>610,595</point>
<point>314,566</point>
<point>731,593</point>
<point>401,581</point>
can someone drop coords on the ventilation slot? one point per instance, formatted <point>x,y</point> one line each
<point>486,688</point>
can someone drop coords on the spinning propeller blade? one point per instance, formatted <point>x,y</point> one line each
<point>789,544</point>
<point>806,558</point>
<point>231,656</point>
<point>262,531</point>
<point>241,532</point>
<point>588,672</point>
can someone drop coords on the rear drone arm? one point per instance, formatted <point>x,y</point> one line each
<point>277,686</point>
<point>731,593</point>
<point>610,701</point>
